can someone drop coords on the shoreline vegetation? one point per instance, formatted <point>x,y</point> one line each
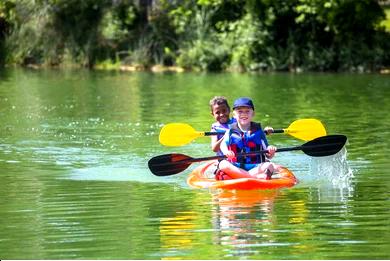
<point>202,35</point>
<point>159,68</point>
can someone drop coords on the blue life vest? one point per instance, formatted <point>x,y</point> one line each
<point>243,142</point>
<point>221,128</point>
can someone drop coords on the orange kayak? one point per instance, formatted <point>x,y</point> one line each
<point>203,177</point>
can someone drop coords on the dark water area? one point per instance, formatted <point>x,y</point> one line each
<point>74,147</point>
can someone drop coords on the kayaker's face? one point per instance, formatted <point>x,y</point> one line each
<point>221,113</point>
<point>243,115</point>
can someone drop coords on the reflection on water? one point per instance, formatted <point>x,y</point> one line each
<point>240,222</point>
<point>244,224</point>
<point>242,219</point>
<point>176,234</point>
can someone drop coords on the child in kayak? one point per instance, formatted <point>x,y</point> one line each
<point>245,136</point>
<point>220,110</point>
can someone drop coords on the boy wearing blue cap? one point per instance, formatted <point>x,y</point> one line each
<point>246,136</point>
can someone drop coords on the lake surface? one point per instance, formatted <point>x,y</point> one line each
<point>74,147</point>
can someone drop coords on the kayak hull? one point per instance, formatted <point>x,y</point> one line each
<point>202,177</point>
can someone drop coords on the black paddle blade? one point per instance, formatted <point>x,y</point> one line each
<point>324,146</point>
<point>169,164</point>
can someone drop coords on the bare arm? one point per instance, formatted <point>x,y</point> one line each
<point>223,146</point>
<point>215,143</point>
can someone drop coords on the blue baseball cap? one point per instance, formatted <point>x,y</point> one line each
<point>243,102</point>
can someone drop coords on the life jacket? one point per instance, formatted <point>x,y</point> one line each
<point>221,128</point>
<point>244,142</point>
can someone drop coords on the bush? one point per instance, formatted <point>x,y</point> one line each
<point>203,55</point>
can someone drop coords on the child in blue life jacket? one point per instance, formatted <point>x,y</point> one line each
<point>220,110</point>
<point>245,136</point>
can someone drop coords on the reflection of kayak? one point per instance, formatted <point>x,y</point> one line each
<point>231,199</point>
<point>203,177</point>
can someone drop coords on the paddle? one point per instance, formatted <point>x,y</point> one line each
<point>179,134</point>
<point>169,164</point>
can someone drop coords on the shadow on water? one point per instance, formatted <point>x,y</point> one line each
<point>134,170</point>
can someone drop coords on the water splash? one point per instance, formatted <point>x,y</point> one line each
<point>335,170</point>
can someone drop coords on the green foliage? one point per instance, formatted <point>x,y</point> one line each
<point>77,23</point>
<point>386,23</point>
<point>245,38</point>
<point>26,40</point>
<point>180,18</point>
<point>111,27</point>
<point>203,55</point>
<point>7,18</point>
<point>199,46</point>
<point>319,35</point>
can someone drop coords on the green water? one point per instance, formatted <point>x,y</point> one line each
<point>74,147</point>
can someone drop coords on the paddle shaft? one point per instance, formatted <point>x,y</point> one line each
<point>302,147</point>
<point>169,164</point>
<point>244,154</point>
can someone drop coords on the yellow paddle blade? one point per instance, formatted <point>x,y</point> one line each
<point>306,129</point>
<point>178,134</point>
